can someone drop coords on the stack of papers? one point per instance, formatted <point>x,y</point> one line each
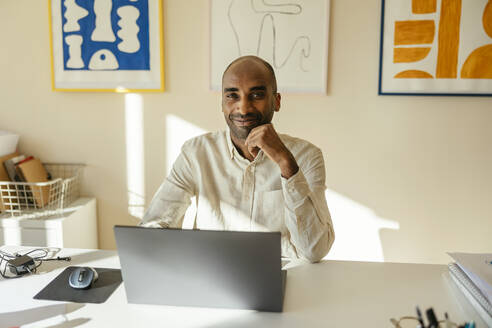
<point>8,143</point>
<point>473,274</point>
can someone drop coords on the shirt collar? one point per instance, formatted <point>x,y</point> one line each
<point>230,145</point>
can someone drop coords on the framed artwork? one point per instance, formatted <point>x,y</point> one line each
<point>436,47</point>
<point>106,45</point>
<point>291,35</point>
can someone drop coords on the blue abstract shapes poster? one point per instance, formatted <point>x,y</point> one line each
<point>109,45</point>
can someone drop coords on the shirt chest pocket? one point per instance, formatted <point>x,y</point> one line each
<point>269,211</point>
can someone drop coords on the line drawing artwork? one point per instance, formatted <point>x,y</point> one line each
<point>268,14</point>
<point>291,35</point>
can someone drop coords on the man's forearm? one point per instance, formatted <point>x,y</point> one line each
<point>308,219</point>
<point>167,208</point>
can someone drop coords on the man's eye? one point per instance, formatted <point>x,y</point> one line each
<point>257,95</point>
<point>231,96</point>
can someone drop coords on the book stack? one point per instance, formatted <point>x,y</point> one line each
<point>472,273</point>
<point>21,168</point>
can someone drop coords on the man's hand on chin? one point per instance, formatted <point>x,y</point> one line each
<point>265,137</point>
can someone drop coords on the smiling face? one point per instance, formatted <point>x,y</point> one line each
<point>249,96</point>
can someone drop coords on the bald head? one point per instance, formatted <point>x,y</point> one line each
<point>249,95</point>
<point>246,64</point>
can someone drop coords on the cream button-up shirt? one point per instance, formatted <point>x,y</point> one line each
<point>233,193</point>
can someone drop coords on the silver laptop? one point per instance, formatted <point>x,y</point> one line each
<point>226,269</point>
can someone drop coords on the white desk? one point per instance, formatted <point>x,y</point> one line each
<point>327,294</point>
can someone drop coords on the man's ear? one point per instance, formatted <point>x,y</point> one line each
<point>277,101</point>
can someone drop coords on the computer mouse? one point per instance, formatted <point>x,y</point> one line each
<point>82,278</point>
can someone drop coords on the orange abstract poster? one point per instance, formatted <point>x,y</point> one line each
<point>436,47</point>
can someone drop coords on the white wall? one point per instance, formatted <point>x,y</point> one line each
<point>408,177</point>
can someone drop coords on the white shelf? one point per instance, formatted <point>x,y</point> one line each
<point>75,228</point>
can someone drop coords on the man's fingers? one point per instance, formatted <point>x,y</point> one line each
<point>252,139</point>
<point>253,150</point>
<point>252,146</point>
<point>262,137</point>
<point>252,134</point>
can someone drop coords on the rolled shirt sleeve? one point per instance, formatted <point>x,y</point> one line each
<point>306,213</point>
<point>172,199</point>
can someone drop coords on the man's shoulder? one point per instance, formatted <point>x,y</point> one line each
<point>205,141</point>
<point>298,145</point>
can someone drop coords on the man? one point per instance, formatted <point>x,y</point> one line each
<point>250,178</point>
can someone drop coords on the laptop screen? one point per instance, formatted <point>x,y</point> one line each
<point>226,269</point>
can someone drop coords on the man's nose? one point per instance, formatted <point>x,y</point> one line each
<point>244,106</point>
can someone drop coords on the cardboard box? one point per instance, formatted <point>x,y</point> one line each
<point>3,173</point>
<point>34,171</point>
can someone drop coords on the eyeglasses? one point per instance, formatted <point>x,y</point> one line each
<point>413,322</point>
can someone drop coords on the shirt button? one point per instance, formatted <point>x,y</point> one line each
<point>291,190</point>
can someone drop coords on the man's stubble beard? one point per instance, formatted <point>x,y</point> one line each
<point>243,133</point>
<point>240,133</point>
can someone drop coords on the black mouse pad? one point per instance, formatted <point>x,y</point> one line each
<point>59,289</point>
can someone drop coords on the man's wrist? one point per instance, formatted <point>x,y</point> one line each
<point>288,166</point>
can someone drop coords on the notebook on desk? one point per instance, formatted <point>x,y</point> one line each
<point>472,273</point>
<point>200,268</point>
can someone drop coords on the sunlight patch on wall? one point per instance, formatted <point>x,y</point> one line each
<point>177,132</point>
<point>135,154</point>
<point>356,230</point>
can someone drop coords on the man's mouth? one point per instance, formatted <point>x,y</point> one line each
<point>245,122</point>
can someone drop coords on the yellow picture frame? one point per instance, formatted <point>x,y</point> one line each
<point>98,78</point>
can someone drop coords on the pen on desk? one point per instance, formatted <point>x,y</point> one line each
<point>419,317</point>
<point>448,322</point>
<point>431,317</point>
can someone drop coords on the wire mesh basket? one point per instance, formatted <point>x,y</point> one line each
<point>41,199</point>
